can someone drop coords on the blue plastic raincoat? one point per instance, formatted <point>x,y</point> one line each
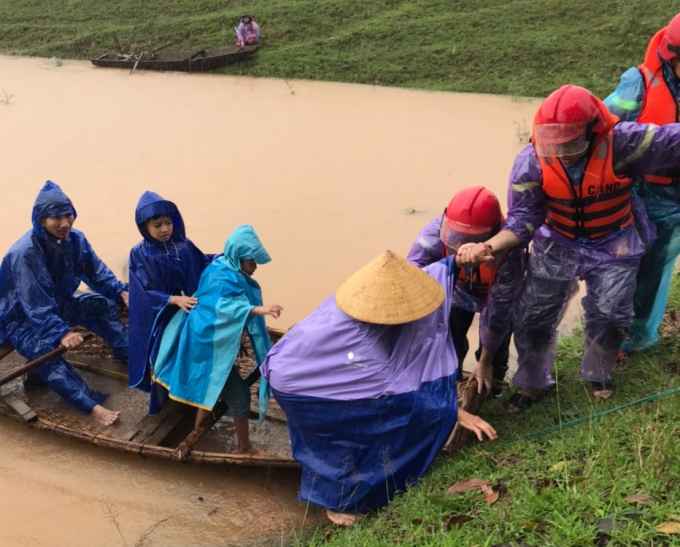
<point>38,278</point>
<point>662,204</point>
<point>158,271</point>
<point>198,349</point>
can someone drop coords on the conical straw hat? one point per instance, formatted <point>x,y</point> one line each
<point>389,291</point>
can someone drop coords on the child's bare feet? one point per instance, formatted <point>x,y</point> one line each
<point>342,519</point>
<point>250,448</point>
<point>104,416</point>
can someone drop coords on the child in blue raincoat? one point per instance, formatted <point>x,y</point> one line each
<point>195,361</point>
<point>39,276</point>
<point>165,268</point>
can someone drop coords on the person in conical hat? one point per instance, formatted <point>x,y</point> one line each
<point>367,382</point>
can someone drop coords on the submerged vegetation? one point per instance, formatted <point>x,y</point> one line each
<point>516,47</point>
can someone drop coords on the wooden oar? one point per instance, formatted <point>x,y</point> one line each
<point>136,63</point>
<point>39,361</point>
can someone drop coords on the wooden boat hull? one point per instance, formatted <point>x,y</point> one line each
<point>183,61</point>
<point>149,437</point>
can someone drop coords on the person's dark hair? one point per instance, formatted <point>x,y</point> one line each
<point>142,226</point>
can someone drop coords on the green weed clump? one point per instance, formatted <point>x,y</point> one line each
<point>513,47</point>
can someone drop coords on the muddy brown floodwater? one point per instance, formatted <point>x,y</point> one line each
<point>329,175</point>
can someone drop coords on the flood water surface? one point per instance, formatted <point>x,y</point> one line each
<point>329,175</point>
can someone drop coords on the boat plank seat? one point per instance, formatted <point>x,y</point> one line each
<point>153,429</point>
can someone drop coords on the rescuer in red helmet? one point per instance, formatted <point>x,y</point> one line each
<point>570,191</point>
<point>474,215</point>
<point>650,93</point>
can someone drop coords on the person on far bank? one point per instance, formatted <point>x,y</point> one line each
<point>571,192</point>
<point>491,289</point>
<point>39,277</point>
<point>650,93</point>
<point>248,31</point>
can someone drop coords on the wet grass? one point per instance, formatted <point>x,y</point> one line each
<point>564,489</point>
<point>517,47</point>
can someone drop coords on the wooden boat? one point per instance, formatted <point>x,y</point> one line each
<point>169,435</point>
<point>182,61</point>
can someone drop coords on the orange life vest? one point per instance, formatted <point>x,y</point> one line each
<point>659,105</point>
<point>596,207</point>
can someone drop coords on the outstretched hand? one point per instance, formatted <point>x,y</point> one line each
<point>474,254</point>
<point>483,374</point>
<point>475,424</point>
<point>274,310</point>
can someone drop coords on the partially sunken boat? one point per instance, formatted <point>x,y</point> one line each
<point>169,435</point>
<point>179,61</point>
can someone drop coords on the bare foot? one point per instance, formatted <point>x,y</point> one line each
<point>104,416</point>
<point>603,393</point>
<point>200,416</point>
<point>342,519</point>
<point>249,449</point>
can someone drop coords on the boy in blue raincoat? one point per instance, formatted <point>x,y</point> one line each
<point>195,361</point>
<point>38,305</point>
<point>165,268</point>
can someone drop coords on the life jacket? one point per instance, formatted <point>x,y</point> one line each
<point>601,203</point>
<point>659,105</point>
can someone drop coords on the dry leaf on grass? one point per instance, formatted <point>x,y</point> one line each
<point>455,521</point>
<point>670,527</point>
<point>642,499</point>
<point>467,486</point>
<point>558,466</point>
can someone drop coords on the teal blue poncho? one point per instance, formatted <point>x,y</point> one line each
<point>198,349</point>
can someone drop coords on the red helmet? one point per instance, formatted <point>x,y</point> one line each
<point>473,210</point>
<point>568,115</point>
<point>669,47</point>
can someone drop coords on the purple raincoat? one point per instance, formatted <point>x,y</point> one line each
<point>608,265</point>
<point>248,33</point>
<point>497,306</point>
<point>368,406</point>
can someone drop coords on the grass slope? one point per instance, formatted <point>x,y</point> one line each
<point>518,47</point>
<point>562,489</point>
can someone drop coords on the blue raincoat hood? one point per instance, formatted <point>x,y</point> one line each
<point>244,244</point>
<point>50,202</point>
<point>152,205</point>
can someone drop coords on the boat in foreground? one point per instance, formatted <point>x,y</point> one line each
<point>169,435</point>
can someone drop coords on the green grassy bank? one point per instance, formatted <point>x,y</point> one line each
<point>568,488</point>
<point>518,47</point>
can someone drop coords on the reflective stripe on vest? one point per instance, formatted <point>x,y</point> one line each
<point>659,106</point>
<point>596,207</point>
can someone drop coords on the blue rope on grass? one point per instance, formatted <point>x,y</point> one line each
<point>566,425</point>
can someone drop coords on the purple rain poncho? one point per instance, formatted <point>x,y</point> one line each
<point>494,309</point>
<point>608,265</point>
<point>368,406</point>
<point>248,33</point>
